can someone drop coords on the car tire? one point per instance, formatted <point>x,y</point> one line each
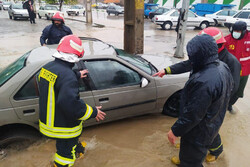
<point>77,14</point>
<point>215,23</point>
<point>167,25</point>
<point>83,13</point>
<point>117,14</point>
<point>109,13</point>
<point>10,16</point>
<point>19,137</point>
<point>39,16</point>
<point>204,25</point>
<point>14,18</point>
<point>172,106</point>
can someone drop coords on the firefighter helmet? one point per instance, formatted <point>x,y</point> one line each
<point>215,33</point>
<point>71,44</point>
<point>58,16</point>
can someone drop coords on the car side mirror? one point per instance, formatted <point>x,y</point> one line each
<point>144,82</point>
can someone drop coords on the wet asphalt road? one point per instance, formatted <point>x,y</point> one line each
<point>139,141</point>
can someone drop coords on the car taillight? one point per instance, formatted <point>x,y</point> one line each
<point>149,12</point>
<point>156,18</point>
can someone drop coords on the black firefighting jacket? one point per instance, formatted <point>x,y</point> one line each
<point>61,109</point>
<point>206,94</point>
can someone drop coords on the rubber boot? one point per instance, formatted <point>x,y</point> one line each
<point>80,149</point>
<point>211,158</point>
<point>175,160</point>
<point>178,145</point>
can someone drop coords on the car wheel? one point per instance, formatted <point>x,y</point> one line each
<point>14,18</point>
<point>166,26</point>
<point>172,106</point>
<point>204,25</point>
<point>77,14</point>
<point>20,138</point>
<point>215,22</point>
<point>10,16</point>
<point>83,13</point>
<point>108,13</point>
<point>39,16</point>
<point>117,14</point>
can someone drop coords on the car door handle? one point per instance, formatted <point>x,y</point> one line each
<point>29,112</point>
<point>104,100</point>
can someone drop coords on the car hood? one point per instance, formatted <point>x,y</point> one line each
<point>21,11</point>
<point>73,9</point>
<point>161,61</point>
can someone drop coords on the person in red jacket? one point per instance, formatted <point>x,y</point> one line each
<point>238,44</point>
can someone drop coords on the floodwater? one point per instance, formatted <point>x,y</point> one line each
<point>136,142</point>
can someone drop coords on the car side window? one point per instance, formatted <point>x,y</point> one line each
<point>83,82</point>
<point>175,14</point>
<point>223,13</point>
<point>110,74</point>
<point>190,14</point>
<point>231,13</point>
<point>244,15</point>
<point>29,90</point>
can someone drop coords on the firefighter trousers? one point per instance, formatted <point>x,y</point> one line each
<point>67,152</point>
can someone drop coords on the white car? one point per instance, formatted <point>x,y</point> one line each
<point>170,19</point>
<point>6,5</point>
<point>243,15</point>
<point>76,10</point>
<point>47,11</point>
<point>16,11</point>
<point>221,16</point>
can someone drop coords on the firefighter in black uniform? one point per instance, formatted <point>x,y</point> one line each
<point>216,148</point>
<point>204,101</point>
<point>62,112</point>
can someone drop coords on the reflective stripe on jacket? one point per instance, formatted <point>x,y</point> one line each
<point>61,109</point>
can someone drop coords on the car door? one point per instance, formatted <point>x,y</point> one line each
<point>174,17</point>
<point>222,16</point>
<point>117,89</point>
<point>193,20</point>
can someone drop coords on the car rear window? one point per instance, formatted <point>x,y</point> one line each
<point>12,69</point>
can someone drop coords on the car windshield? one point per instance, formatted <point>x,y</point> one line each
<point>50,8</point>
<point>137,61</point>
<point>75,7</point>
<point>154,7</point>
<point>12,69</point>
<point>6,3</point>
<point>18,6</point>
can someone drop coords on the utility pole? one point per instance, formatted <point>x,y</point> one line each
<point>182,29</point>
<point>88,12</point>
<point>134,26</point>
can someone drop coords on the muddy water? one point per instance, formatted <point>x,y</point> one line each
<point>135,142</point>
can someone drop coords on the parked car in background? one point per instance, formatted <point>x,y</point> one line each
<point>16,11</point>
<point>6,5</point>
<point>149,7</point>
<point>170,19</point>
<point>115,9</point>
<point>75,10</point>
<point>101,5</point>
<point>243,15</point>
<point>158,11</point>
<point>47,11</point>
<point>221,16</point>
<point>119,82</point>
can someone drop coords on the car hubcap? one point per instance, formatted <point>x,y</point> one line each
<point>203,26</point>
<point>167,26</point>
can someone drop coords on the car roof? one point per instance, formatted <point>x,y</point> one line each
<point>93,48</point>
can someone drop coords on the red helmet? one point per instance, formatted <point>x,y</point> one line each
<point>71,44</point>
<point>215,33</point>
<point>58,16</point>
